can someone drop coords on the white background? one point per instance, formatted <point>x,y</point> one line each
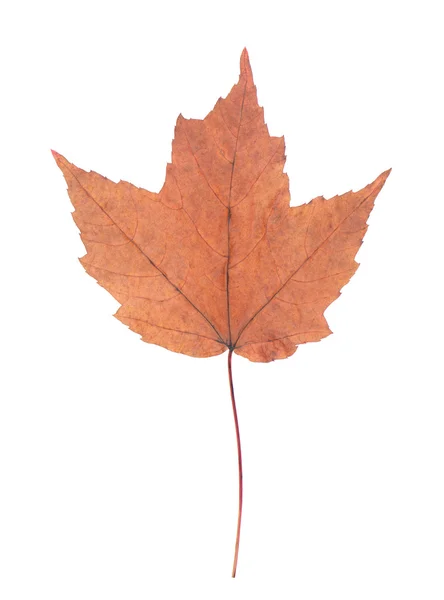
<point>118,465</point>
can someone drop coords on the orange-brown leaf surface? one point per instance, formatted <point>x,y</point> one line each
<point>218,259</point>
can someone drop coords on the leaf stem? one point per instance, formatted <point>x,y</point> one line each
<point>239,462</point>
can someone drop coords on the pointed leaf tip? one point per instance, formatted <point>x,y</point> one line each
<point>58,157</point>
<point>245,66</point>
<point>383,176</point>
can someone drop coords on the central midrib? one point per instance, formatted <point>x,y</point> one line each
<point>230,344</point>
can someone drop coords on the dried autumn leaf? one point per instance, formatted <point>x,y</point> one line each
<point>218,259</point>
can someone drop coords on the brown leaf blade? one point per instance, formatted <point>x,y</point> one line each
<point>218,259</point>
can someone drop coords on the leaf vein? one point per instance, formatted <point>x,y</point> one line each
<point>171,329</point>
<point>247,324</point>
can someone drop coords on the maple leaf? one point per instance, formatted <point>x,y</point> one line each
<point>218,260</point>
